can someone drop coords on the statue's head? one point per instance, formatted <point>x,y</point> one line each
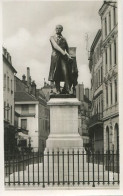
<point>59,29</point>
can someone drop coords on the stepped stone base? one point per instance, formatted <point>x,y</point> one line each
<point>63,141</point>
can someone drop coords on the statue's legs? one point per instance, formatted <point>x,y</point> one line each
<point>57,84</point>
<point>65,75</point>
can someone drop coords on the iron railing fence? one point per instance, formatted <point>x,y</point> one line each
<point>60,167</point>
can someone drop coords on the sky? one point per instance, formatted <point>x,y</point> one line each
<point>28,25</point>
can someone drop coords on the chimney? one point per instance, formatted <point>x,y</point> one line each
<point>28,75</point>
<point>23,78</point>
<point>5,52</point>
<point>30,80</point>
<point>81,94</point>
<point>9,58</point>
<point>33,88</point>
<point>87,92</point>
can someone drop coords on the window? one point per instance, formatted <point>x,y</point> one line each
<point>101,74</point>
<point>106,59</point>
<point>107,95</point>
<point>116,138</point>
<point>102,105</point>
<point>96,80</point>
<point>25,109</point>
<point>11,87</point>
<point>115,53</point>
<point>8,83</point>
<point>105,27</point>
<point>111,92</point>
<point>99,107</point>
<point>4,110</point>
<point>11,114</point>
<point>7,112</point>
<point>4,81</point>
<point>109,21</point>
<point>24,123</point>
<point>107,139</point>
<point>99,50</point>
<point>110,53</point>
<point>115,86</point>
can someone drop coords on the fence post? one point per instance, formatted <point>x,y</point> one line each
<point>53,165</point>
<point>63,165</point>
<point>6,163</point>
<point>108,168</point>
<point>103,157</point>
<point>13,167</point>
<point>48,165</point>
<point>43,169</point>
<point>58,164</point>
<point>88,166</point>
<point>78,167</point>
<point>9,167</point>
<point>23,167</point>
<point>73,165</point>
<point>28,166</point>
<point>83,169</point>
<point>18,171</point>
<point>38,167</point>
<point>113,163</point>
<point>98,155</point>
<point>33,168</point>
<point>68,166</point>
<point>118,164</point>
<point>93,170</point>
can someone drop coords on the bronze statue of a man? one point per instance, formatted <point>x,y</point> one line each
<point>59,69</point>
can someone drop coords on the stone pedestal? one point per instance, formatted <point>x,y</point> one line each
<point>64,124</point>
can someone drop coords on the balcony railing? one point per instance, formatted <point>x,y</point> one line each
<point>97,118</point>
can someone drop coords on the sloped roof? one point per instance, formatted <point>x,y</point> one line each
<point>24,96</point>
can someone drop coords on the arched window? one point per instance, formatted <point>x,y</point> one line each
<point>107,139</point>
<point>115,86</point>
<point>116,137</point>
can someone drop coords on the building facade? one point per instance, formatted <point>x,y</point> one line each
<point>8,95</point>
<point>84,96</point>
<point>95,124</point>
<point>108,14</point>
<point>31,105</point>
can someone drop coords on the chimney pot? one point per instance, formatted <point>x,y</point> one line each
<point>28,75</point>
<point>23,77</point>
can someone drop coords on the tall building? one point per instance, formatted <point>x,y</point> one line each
<point>108,14</point>
<point>84,97</point>
<point>8,95</point>
<point>95,124</point>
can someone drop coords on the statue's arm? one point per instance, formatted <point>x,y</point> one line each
<point>56,46</point>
